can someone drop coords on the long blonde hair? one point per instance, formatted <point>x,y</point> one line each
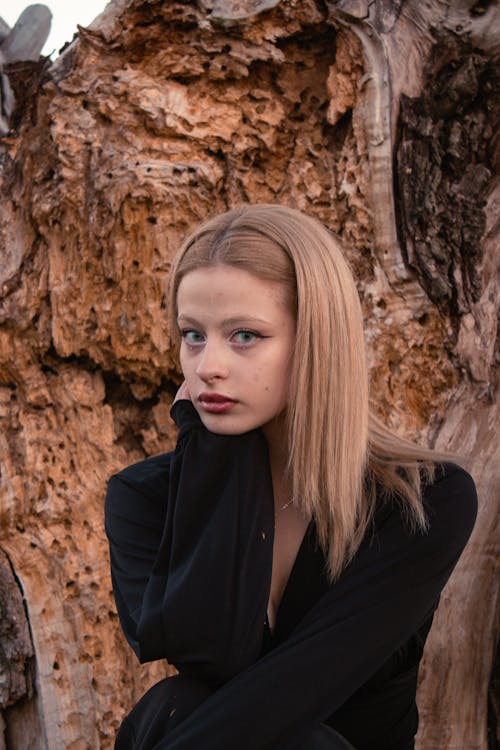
<point>340,454</point>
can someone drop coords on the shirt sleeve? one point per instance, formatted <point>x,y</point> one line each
<point>381,599</point>
<point>135,511</point>
<point>191,537</point>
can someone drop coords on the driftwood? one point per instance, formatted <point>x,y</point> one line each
<point>379,118</point>
<point>22,43</point>
<point>30,32</point>
<point>4,30</point>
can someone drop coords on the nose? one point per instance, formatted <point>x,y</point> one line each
<point>212,364</point>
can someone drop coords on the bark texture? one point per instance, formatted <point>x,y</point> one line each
<point>379,118</point>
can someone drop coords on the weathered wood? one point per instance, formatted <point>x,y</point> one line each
<point>26,39</point>
<point>16,649</point>
<point>458,660</point>
<point>444,107</point>
<point>4,29</point>
<point>159,114</point>
<point>24,42</point>
<point>7,102</point>
<point>17,667</point>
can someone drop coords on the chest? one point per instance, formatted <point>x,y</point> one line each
<point>290,528</point>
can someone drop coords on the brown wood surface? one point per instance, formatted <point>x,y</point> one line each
<point>381,118</point>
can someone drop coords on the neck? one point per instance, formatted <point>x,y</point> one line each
<point>278,459</point>
<point>275,433</point>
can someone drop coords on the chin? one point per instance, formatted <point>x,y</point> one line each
<point>221,429</point>
<point>221,425</point>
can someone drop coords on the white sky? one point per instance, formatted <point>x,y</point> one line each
<point>65,15</point>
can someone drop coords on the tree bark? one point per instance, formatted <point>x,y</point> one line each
<point>379,118</point>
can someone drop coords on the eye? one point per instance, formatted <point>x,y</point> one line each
<point>192,337</point>
<point>245,338</point>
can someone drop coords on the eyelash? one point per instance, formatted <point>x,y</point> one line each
<point>186,331</point>
<point>184,335</point>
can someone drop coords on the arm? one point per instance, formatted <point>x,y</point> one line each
<point>191,538</point>
<point>384,595</point>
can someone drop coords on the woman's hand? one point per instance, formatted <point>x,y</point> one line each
<point>183,392</point>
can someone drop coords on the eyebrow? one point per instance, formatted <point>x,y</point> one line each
<point>235,320</point>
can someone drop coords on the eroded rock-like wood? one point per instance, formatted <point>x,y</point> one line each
<point>158,115</point>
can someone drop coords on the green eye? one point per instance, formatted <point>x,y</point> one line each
<point>245,337</point>
<point>192,337</point>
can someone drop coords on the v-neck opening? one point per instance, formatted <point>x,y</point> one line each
<point>295,566</point>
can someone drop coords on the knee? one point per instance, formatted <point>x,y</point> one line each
<point>323,737</point>
<point>187,694</point>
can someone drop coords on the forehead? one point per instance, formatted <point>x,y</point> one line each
<point>228,287</point>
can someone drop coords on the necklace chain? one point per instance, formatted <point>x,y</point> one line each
<point>286,505</point>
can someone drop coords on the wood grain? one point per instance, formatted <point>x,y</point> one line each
<point>379,118</point>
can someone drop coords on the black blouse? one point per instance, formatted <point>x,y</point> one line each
<point>191,540</point>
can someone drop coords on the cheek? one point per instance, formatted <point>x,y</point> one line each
<point>282,385</point>
<point>185,363</point>
<point>259,375</point>
<point>275,382</point>
<point>182,363</point>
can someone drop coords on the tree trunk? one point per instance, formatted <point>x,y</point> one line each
<point>379,118</point>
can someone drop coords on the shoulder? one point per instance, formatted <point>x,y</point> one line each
<point>450,502</point>
<point>146,476</point>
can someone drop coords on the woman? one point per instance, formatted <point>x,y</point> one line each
<point>289,555</point>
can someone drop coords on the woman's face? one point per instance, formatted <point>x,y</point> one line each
<point>237,342</point>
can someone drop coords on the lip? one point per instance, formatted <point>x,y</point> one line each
<point>216,403</point>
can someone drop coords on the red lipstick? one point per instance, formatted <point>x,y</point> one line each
<point>216,403</point>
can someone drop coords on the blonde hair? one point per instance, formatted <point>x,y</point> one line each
<point>340,454</point>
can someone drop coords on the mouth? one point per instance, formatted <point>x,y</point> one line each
<point>215,403</point>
